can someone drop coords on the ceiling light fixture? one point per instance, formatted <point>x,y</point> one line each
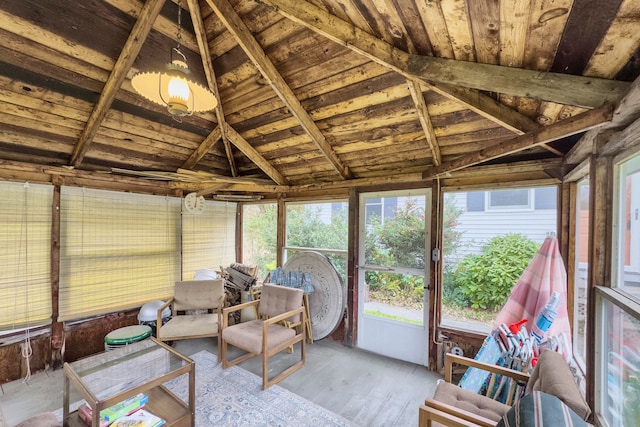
<point>236,197</point>
<point>172,88</point>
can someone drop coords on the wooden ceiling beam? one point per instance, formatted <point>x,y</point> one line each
<point>129,52</point>
<point>248,150</point>
<point>627,111</point>
<point>252,48</point>
<point>203,148</point>
<point>425,120</point>
<point>585,121</point>
<point>587,92</point>
<point>205,54</point>
<point>487,107</point>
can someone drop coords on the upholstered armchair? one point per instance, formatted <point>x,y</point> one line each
<point>454,406</point>
<point>267,335</point>
<point>196,308</point>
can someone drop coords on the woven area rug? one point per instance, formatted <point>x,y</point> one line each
<point>234,397</point>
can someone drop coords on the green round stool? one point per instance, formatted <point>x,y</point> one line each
<point>127,335</point>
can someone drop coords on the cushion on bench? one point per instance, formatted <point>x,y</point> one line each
<point>470,401</point>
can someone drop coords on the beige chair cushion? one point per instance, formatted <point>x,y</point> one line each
<point>189,325</point>
<point>248,335</point>
<point>276,299</point>
<point>470,401</point>
<point>553,376</point>
<point>197,294</point>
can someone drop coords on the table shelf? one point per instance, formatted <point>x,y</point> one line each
<point>141,367</point>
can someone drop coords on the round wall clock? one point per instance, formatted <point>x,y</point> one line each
<point>194,204</point>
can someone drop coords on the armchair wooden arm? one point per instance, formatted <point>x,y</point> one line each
<point>451,359</point>
<point>434,410</point>
<point>161,309</point>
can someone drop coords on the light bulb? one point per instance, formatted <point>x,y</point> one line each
<point>178,89</point>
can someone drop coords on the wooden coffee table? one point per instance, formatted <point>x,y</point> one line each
<point>143,367</point>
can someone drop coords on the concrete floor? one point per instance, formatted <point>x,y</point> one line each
<point>368,389</point>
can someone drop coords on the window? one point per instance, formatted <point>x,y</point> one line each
<point>118,250</point>
<point>25,247</point>
<point>618,329</point>
<point>618,308</point>
<point>476,276</point>
<point>581,270</point>
<point>209,238</point>
<point>318,226</point>
<point>509,199</point>
<point>259,236</point>
<point>627,227</point>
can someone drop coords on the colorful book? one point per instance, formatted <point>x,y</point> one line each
<point>125,407</point>
<point>140,418</point>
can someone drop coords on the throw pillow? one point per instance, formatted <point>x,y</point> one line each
<point>538,409</point>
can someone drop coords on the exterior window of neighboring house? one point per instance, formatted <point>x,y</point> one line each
<point>581,270</point>
<point>25,248</point>
<point>618,307</point>
<point>382,207</point>
<point>509,199</point>
<point>473,221</point>
<point>513,199</point>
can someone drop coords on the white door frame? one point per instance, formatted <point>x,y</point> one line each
<point>400,340</point>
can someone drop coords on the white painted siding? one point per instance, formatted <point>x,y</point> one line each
<point>478,227</point>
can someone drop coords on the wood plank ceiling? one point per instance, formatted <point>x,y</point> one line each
<point>312,93</point>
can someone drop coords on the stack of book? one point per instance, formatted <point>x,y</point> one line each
<point>128,413</point>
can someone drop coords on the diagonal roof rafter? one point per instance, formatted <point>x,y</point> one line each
<point>138,35</point>
<point>252,48</point>
<point>205,54</point>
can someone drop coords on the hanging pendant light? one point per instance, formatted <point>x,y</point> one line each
<point>172,87</point>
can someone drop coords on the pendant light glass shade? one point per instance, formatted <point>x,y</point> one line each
<point>173,89</point>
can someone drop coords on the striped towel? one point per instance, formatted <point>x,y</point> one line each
<point>544,275</point>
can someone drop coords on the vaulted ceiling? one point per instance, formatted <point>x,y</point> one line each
<point>311,93</point>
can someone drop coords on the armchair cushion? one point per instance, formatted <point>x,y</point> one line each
<point>248,335</point>
<point>538,409</point>
<point>469,401</point>
<point>553,376</point>
<point>280,299</point>
<point>189,325</point>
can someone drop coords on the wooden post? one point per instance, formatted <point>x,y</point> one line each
<point>435,272</point>
<point>281,231</point>
<point>351,322</point>
<point>57,330</point>
<point>599,274</point>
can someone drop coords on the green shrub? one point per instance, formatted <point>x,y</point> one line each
<point>452,295</point>
<point>486,279</point>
